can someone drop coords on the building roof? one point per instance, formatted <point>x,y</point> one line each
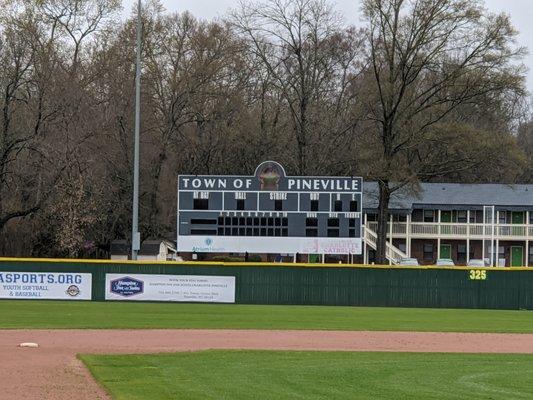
<point>148,247</point>
<point>453,196</point>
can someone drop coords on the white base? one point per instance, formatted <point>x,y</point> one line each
<point>28,344</point>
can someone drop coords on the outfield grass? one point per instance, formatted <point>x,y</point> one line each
<point>236,375</point>
<point>64,314</point>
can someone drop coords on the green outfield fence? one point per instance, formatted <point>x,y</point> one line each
<point>323,284</point>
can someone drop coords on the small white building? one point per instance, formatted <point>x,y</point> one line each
<point>151,250</point>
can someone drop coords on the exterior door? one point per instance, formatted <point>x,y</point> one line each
<point>517,256</point>
<point>445,251</point>
<point>446,217</point>
<point>517,218</point>
<point>313,258</point>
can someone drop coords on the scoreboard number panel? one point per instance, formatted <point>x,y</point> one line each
<point>269,212</point>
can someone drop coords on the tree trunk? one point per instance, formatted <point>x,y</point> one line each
<point>155,227</point>
<point>383,218</point>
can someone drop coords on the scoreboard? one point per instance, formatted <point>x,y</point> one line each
<point>269,212</point>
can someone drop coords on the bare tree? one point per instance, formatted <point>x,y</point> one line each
<point>308,57</point>
<point>427,58</point>
<point>74,21</point>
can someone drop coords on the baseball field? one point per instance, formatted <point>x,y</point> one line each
<point>151,351</point>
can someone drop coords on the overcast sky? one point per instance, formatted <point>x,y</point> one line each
<point>521,12</point>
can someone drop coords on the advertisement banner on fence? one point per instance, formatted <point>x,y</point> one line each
<point>185,288</point>
<point>45,285</point>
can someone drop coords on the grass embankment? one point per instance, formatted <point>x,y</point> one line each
<point>63,314</point>
<point>236,375</point>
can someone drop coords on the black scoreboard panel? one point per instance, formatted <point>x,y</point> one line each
<point>269,213</point>
<point>271,224</point>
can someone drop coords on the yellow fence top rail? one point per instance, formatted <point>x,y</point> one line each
<point>250,264</point>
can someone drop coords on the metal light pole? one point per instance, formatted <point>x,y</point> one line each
<point>135,235</point>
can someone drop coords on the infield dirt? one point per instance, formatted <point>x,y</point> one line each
<point>52,371</point>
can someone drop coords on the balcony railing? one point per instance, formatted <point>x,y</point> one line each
<point>457,230</point>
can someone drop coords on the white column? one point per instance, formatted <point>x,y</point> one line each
<point>484,233</point>
<point>438,248</point>
<point>497,252</point>
<point>527,240</point>
<point>527,253</point>
<point>439,222</point>
<point>496,232</point>
<point>390,235</point>
<point>365,250</point>
<point>467,249</point>
<point>492,238</point>
<point>408,237</point>
<point>390,229</point>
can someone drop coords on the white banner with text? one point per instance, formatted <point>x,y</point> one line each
<point>179,288</point>
<point>289,245</point>
<point>45,285</point>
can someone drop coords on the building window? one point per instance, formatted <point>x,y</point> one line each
<point>201,204</point>
<point>337,206</point>
<point>461,217</point>
<point>240,204</point>
<point>428,251</point>
<point>530,255</point>
<point>502,218</point>
<point>402,247</point>
<point>314,205</point>
<point>473,217</point>
<point>353,206</point>
<point>278,205</point>
<point>429,216</point>
<point>461,253</point>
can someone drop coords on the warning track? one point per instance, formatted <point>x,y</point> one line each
<point>52,371</point>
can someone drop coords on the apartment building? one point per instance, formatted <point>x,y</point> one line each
<point>456,221</point>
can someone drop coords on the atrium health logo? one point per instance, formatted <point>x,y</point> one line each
<point>127,286</point>
<point>207,245</point>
